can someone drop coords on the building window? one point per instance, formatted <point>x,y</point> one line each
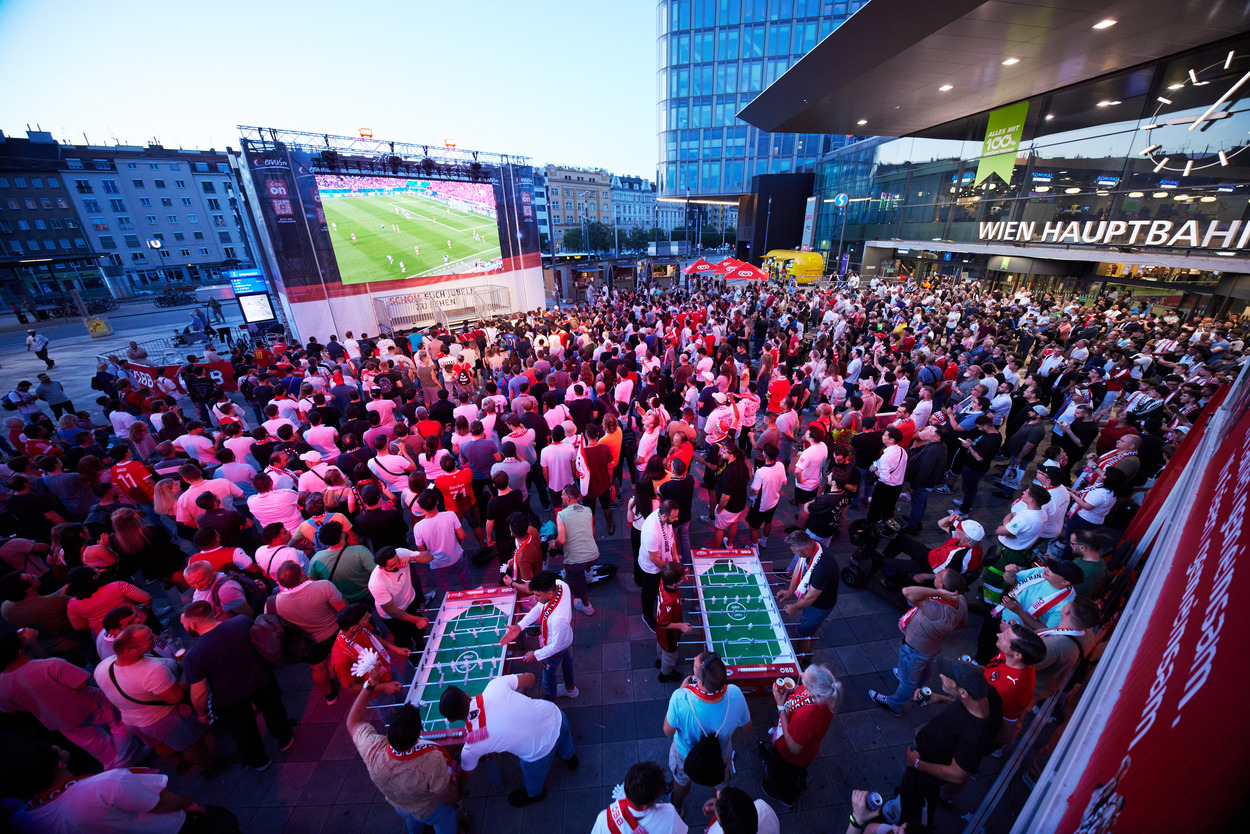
<point>45,203</point>
<point>61,203</point>
<point>229,250</point>
<point>53,182</point>
<point>71,223</point>
<point>102,165</point>
<point>138,257</point>
<point>20,182</point>
<point>175,166</point>
<point>155,166</point>
<point>173,218</point>
<point>99,224</point>
<point>224,237</point>
<point>208,187</point>
<point>132,165</point>
<point>185,253</point>
<point>167,202</point>
<point>198,235</point>
<point>56,222</point>
<point>151,219</point>
<point>117,206</point>
<point>41,225</point>
<point>203,251</point>
<point>165,253</point>
<point>65,244</point>
<point>83,186</point>
<point>145,201</point>
<point>29,203</point>
<point>74,164</point>
<point>219,220</point>
<point>179,236</point>
<point>23,225</point>
<point>159,183</point>
<point>107,242</point>
<point>132,241</point>
<point>213,204</point>
<point>193,218</point>
<point>186,201</point>
<point>109,186</point>
<point>124,222</point>
<point>4,182</point>
<point>36,182</point>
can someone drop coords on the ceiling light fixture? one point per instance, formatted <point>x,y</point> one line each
<point>1108,103</point>
<point>1136,195</point>
<point>1050,116</point>
<point>1041,189</point>
<point>1104,24</point>
<point>1011,62</point>
<point>946,87</point>
<point>1208,199</point>
<point>1159,195</point>
<point>1072,191</point>
<point>862,122</point>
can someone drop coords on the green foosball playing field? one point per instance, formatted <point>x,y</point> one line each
<point>737,611</point>
<point>463,650</point>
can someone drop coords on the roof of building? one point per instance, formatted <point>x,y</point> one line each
<point>885,71</point>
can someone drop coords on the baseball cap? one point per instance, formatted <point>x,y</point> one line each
<point>972,529</point>
<point>967,676</point>
<point>370,494</point>
<point>311,457</point>
<point>1053,472</point>
<point>1068,570</point>
<point>1042,410</point>
<point>719,396</point>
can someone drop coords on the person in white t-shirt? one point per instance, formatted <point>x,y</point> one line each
<point>195,445</point>
<point>392,464</point>
<point>734,804</point>
<point>505,720</point>
<point>277,550</point>
<point>314,480</point>
<point>271,505</point>
<point>765,490</point>
<point>807,468</point>
<point>1022,526</point>
<point>322,438</point>
<point>383,406</point>
<point>642,809</point>
<point>439,538</point>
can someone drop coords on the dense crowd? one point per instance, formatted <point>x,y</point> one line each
<point>160,566</point>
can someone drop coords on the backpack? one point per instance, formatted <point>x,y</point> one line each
<point>705,763</point>
<point>277,640</point>
<point>255,592</point>
<point>9,404</point>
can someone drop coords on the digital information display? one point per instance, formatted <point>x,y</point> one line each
<point>256,308</point>
<point>392,228</point>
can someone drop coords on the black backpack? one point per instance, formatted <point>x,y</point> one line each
<point>705,763</point>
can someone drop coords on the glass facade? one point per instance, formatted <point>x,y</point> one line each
<point>714,57</point>
<point>1151,160</point>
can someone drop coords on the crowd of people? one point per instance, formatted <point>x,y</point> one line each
<point>162,564</point>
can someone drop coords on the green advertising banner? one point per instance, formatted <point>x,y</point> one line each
<point>1002,138</point>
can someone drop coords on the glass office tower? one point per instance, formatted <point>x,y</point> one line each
<point>714,56</point>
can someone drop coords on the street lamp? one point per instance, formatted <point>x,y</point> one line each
<point>155,245</point>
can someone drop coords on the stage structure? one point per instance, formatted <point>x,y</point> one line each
<point>369,235</point>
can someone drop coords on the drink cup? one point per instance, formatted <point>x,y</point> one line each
<point>787,684</point>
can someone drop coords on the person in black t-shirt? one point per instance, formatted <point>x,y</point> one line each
<point>950,747</point>
<point>974,458</point>
<point>813,587</point>
<point>868,446</point>
<point>376,525</point>
<point>680,488</point>
<point>506,502</point>
<point>731,484</point>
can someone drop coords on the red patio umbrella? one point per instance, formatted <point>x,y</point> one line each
<point>701,265</point>
<point>747,272</point>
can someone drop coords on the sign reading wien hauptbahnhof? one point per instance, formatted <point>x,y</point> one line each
<point>1188,235</point>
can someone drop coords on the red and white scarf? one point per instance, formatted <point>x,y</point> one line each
<point>1069,632</point>
<point>911,612</point>
<point>354,648</point>
<point>621,819</point>
<point>475,722</point>
<point>1042,604</point>
<point>549,608</point>
<point>422,747</point>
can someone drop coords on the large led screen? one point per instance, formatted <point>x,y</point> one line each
<point>392,228</point>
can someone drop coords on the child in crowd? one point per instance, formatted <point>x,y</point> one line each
<point>668,621</point>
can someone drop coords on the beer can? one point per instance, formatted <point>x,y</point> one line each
<point>965,658</point>
<point>875,801</point>
<point>925,694</point>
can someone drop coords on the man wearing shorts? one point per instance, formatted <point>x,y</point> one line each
<point>731,485</point>
<point>766,486</point>
<point>705,703</point>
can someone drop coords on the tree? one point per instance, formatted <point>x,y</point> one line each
<point>573,241</point>
<point>601,238</point>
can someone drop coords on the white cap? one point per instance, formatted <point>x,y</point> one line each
<point>1041,410</point>
<point>311,457</point>
<point>719,396</point>
<point>972,529</point>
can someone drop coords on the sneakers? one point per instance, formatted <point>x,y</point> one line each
<point>957,511</point>
<point>906,496</point>
<point>881,701</point>
<point>755,550</point>
<point>260,768</point>
<point>588,610</point>
<point>573,763</point>
<point>563,691</point>
<point>290,740</point>
<point>763,542</point>
<point>944,489</point>
<point>650,626</point>
<point>671,677</point>
<point>520,797</point>
<point>333,697</point>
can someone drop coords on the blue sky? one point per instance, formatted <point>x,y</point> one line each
<point>556,80</point>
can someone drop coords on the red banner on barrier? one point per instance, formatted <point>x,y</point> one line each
<point>1169,755</point>
<point>145,376</point>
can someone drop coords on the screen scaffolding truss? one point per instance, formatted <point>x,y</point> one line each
<point>376,157</point>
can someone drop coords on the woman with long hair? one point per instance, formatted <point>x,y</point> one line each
<point>92,471</point>
<point>811,704</point>
<point>72,547</point>
<point>338,495</point>
<point>146,548</point>
<point>67,427</point>
<point>142,444</point>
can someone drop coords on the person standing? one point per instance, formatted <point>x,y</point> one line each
<point>416,776</point>
<point>642,809</point>
<point>935,613</point>
<point>39,343</point>
<point>926,467</point>
<point>806,711</point>
<point>766,487</point>
<point>575,534</point>
<point>54,395</point>
<point>399,599</point>
<point>813,587</point>
<point>503,719</point>
<point>978,452</point>
<point>949,749</point>
<point>890,469</point>
<point>553,614</point>
<point>705,703</point>
<point>599,483</point>
<point>224,663</point>
<point>657,546</point>
<point>1066,644</point>
<point>312,606</point>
